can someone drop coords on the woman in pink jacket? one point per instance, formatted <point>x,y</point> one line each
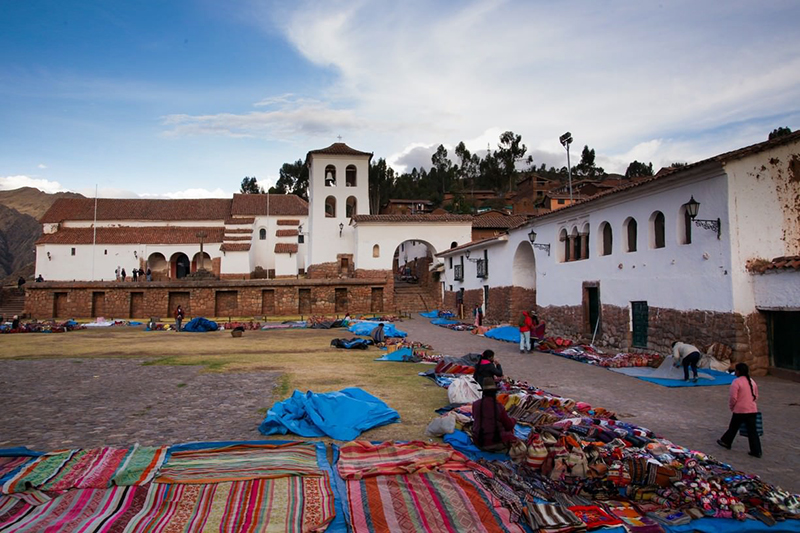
<point>742,402</point>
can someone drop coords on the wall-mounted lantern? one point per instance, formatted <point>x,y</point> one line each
<point>692,207</point>
<point>532,238</point>
<point>341,227</point>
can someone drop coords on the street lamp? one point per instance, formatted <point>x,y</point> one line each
<point>566,140</point>
<point>692,207</point>
<point>532,238</point>
<point>341,227</point>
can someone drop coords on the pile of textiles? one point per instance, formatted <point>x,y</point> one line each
<point>444,322</point>
<point>42,327</point>
<point>382,318</point>
<point>254,486</point>
<point>158,326</point>
<point>323,322</point>
<point>200,325</point>
<point>585,353</point>
<point>455,325</point>
<point>246,326</point>
<point>420,350</point>
<point>632,359</point>
<point>449,366</point>
<point>356,343</point>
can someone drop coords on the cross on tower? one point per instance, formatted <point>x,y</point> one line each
<point>339,137</point>
<point>201,235</point>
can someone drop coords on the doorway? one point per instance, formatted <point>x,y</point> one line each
<point>784,339</point>
<point>304,302</point>
<point>182,266</point>
<point>640,323</point>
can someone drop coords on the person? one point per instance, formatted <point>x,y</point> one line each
<point>492,428</point>
<point>742,403</point>
<point>141,274</point>
<point>487,367</point>
<point>377,334</point>
<point>20,282</point>
<point>123,274</point>
<point>525,327</point>
<point>686,355</point>
<point>537,331</point>
<point>149,274</point>
<point>135,274</point>
<point>478,314</point>
<point>39,279</point>
<point>15,322</point>
<point>117,273</point>
<point>346,320</point>
<point>178,316</point>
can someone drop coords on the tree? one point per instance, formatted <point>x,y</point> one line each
<point>509,151</point>
<point>250,186</point>
<point>292,179</point>
<point>443,166</point>
<point>381,184</point>
<point>779,132</point>
<point>587,166</point>
<point>637,170</point>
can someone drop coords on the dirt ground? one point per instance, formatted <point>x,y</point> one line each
<point>124,385</point>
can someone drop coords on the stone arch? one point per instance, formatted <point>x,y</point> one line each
<point>585,233</point>
<point>453,244</point>
<point>330,207</point>
<point>411,259</point>
<point>523,267</point>
<point>350,175</point>
<point>330,176</point>
<point>199,262</point>
<point>158,265</point>
<point>575,244</point>
<point>562,250</point>
<point>684,232</point>
<point>351,208</point>
<point>179,265</point>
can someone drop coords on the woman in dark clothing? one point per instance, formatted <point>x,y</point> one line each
<point>492,428</point>
<point>487,367</point>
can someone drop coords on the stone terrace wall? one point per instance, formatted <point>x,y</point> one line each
<point>236,298</point>
<point>746,335</point>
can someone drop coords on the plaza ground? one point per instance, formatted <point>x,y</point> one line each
<point>121,385</point>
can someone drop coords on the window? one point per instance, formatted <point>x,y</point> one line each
<point>563,238</point>
<point>330,207</point>
<point>72,251</point>
<point>576,245</point>
<point>608,239</point>
<point>451,262</point>
<point>685,228</point>
<point>483,265</point>
<point>560,201</point>
<point>630,234</point>
<point>350,207</point>
<point>330,176</point>
<point>350,176</point>
<point>105,252</point>
<point>585,241</point>
<point>657,230</point>
<point>376,251</point>
<point>458,273</point>
<point>453,245</point>
<point>262,234</point>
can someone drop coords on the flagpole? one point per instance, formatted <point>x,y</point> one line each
<point>94,229</point>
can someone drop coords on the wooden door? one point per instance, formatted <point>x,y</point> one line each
<point>304,302</point>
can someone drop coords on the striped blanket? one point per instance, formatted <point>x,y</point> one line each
<point>9,464</point>
<point>430,502</point>
<point>359,459</point>
<point>296,504</point>
<point>94,468</point>
<point>240,462</point>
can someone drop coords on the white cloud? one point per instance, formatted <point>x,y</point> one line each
<point>8,183</point>
<point>41,166</point>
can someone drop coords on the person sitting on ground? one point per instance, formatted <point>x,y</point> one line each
<point>378,337</point>
<point>492,428</point>
<point>742,403</point>
<point>686,355</point>
<point>487,367</point>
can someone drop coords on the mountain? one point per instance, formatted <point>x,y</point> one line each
<point>20,210</point>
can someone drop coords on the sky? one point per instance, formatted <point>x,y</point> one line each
<point>183,99</point>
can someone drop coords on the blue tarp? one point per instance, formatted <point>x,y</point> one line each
<point>430,314</point>
<point>200,325</point>
<point>342,415</point>
<point>720,378</point>
<point>443,321</point>
<point>504,333</point>
<point>365,328</point>
<point>401,355</point>
<point>461,442</point>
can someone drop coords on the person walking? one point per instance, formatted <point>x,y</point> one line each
<point>149,274</point>
<point>178,317</point>
<point>686,355</point>
<point>116,273</point>
<point>525,327</point>
<point>478,314</point>
<point>487,367</point>
<point>135,274</point>
<point>742,403</point>
<point>492,428</point>
<point>123,275</point>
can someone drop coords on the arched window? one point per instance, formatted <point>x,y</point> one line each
<point>630,234</point>
<point>607,243</point>
<point>453,244</point>
<point>657,230</point>
<point>575,249</point>
<point>585,241</point>
<point>350,207</point>
<point>262,234</point>
<point>350,176</point>
<point>330,207</point>
<point>376,251</point>
<point>564,248</point>
<point>684,226</point>
<point>330,176</point>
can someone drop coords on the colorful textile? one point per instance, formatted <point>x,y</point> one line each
<point>361,459</point>
<point>429,502</point>
<point>10,464</point>
<point>140,465</point>
<point>594,517</point>
<point>549,518</point>
<point>634,521</point>
<point>240,462</point>
<point>294,503</point>
<point>38,472</point>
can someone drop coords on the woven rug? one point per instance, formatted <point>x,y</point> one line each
<point>9,464</point>
<point>359,459</point>
<point>429,502</point>
<point>38,472</point>
<point>240,462</point>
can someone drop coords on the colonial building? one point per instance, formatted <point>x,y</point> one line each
<point>684,255</point>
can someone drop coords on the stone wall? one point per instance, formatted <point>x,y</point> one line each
<point>505,303</point>
<point>746,335</point>
<point>206,298</point>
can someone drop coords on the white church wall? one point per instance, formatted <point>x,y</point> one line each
<point>235,263</point>
<point>285,264</point>
<point>777,290</point>
<point>388,236</point>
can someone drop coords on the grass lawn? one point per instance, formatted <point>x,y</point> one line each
<point>304,358</point>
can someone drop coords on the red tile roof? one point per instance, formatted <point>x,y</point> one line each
<point>133,235</point>
<point>286,233</point>
<point>238,237</point>
<point>235,247</point>
<point>268,204</point>
<point>497,221</point>
<point>471,244</point>
<point>137,209</point>
<point>779,263</point>
<point>338,149</point>
<point>238,230</point>
<point>245,221</point>
<point>289,222</point>
<point>286,248</point>
<point>420,219</point>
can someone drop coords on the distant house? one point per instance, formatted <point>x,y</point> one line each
<point>531,189</point>
<point>401,206</point>
<point>494,223</point>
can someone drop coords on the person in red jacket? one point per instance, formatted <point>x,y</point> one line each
<point>492,428</point>
<point>742,402</point>
<point>525,327</point>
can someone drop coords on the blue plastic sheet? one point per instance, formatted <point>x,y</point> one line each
<point>342,415</point>
<point>461,442</point>
<point>504,333</point>
<point>443,321</point>
<point>720,378</point>
<point>365,328</point>
<point>401,355</point>
<point>430,314</point>
<point>200,325</point>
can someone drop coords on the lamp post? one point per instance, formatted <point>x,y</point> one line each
<point>566,140</point>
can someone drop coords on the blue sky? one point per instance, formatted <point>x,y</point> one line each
<point>185,98</point>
